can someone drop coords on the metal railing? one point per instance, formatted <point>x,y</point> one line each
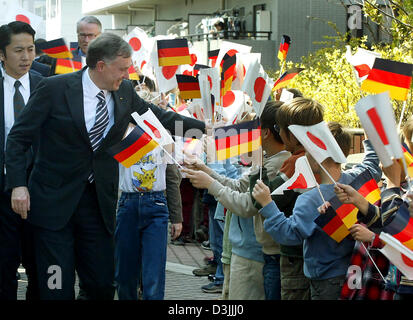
<point>236,35</point>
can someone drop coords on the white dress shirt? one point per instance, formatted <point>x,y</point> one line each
<point>90,101</point>
<point>8,89</point>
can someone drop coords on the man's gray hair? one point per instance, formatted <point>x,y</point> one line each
<point>107,47</point>
<point>89,19</point>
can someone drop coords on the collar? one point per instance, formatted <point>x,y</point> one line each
<point>91,88</point>
<point>24,80</point>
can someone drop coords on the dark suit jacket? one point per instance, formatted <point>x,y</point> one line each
<point>65,157</point>
<point>34,80</point>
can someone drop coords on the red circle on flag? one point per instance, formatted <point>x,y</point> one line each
<point>153,129</point>
<point>135,43</point>
<point>259,86</point>
<point>228,99</point>
<point>193,59</point>
<point>317,141</point>
<point>407,261</point>
<point>22,18</point>
<point>169,71</point>
<point>187,73</point>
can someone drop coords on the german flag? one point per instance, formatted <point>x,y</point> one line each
<point>388,75</point>
<point>401,226</point>
<point>284,46</point>
<point>133,75</point>
<point>227,73</point>
<point>367,187</point>
<point>67,66</point>
<point>133,147</point>
<point>173,52</point>
<point>56,48</point>
<point>188,87</point>
<point>331,224</point>
<point>234,140</point>
<point>213,56</point>
<point>286,77</point>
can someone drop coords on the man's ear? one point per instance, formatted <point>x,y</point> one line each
<point>100,66</point>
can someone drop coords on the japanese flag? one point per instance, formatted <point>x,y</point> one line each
<point>362,61</point>
<point>141,44</point>
<point>257,85</point>
<point>152,126</point>
<point>231,48</point>
<point>303,177</point>
<point>398,254</point>
<point>165,77</point>
<point>241,67</point>
<point>318,141</point>
<point>232,105</point>
<point>377,118</point>
<point>17,13</point>
<point>209,85</point>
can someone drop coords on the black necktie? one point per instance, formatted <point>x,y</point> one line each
<point>101,122</point>
<point>18,101</point>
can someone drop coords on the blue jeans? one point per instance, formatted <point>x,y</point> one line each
<point>272,278</point>
<point>216,234</point>
<point>140,245</point>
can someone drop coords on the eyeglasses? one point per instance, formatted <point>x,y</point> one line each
<point>276,128</point>
<point>87,35</point>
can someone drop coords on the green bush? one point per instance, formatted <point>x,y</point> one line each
<point>329,78</point>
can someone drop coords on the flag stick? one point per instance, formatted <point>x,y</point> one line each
<point>153,99</point>
<point>328,174</point>
<point>71,63</point>
<point>402,114</point>
<point>170,156</point>
<point>321,195</point>
<point>373,261</point>
<point>282,67</point>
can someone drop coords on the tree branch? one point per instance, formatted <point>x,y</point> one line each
<point>388,15</point>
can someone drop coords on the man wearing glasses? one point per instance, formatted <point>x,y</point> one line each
<point>87,28</point>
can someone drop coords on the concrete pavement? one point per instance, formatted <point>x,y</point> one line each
<point>180,284</point>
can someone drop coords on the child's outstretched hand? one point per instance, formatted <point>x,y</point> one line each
<point>347,194</point>
<point>199,179</point>
<point>323,208</point>
<point>261,193</point>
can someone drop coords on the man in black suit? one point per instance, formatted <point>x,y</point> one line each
<point>73,188</point>
<point>16,84</point>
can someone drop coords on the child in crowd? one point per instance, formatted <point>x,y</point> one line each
<point>325,261</point>
<point>301,111</point>
<point>247,254</point>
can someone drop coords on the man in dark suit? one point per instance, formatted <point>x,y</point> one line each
<point>73,188</point>
<point>16,84</point>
